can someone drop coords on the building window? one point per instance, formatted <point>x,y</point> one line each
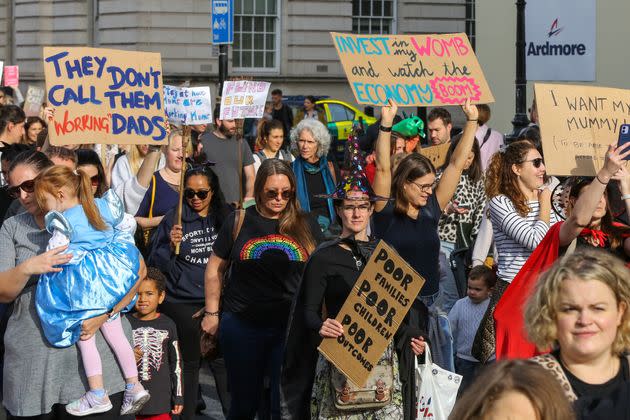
<point>470,22</point>
<point>255,35</point>
<point>373,16</point>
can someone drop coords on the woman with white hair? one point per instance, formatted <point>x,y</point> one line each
<point>315,175</point>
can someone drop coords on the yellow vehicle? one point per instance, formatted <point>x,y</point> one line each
<point>341,117</point>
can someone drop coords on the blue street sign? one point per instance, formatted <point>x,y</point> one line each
<point>222,22</point>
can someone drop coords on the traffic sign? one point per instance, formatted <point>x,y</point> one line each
<point>222,22</point>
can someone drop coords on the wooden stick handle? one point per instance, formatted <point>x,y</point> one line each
<point>178,215</point>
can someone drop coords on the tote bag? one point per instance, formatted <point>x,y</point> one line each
<point>436,388</point>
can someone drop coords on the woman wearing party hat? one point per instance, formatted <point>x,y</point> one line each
<point>311,386</point>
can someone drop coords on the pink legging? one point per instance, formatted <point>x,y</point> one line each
<point>115,337</point>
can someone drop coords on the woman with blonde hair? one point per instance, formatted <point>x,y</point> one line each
<point>514,389</point>
<point>266,247</point>
<point>520,213</point>
<point>579,310</point>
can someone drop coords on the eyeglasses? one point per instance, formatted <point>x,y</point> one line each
<point>425,187</point>
<point>536,162</point>
<point>95,180</point>
<point>190,194</point>
<point>273,194</point>
<point>26,186</point>
<point>361,208</point>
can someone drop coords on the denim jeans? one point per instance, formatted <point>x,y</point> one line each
<point>448,288</point>
<point>251,352</point>
<point>469,370</point>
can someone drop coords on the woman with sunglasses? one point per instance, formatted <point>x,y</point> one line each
<point>163,192</point>
<point>28,358</point>
<point>89,162</point>
<point>203,214</point>
<point>520,213</point>
<point>266,260</point>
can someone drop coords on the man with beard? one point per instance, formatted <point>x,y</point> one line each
<point>232,158</point>
<point>439,126</point>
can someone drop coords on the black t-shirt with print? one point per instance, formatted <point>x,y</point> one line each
<point>265,268</point>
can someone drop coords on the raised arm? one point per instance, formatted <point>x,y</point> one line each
<point>453,172</point>
<point>587,202</point>
<point>383,177</point>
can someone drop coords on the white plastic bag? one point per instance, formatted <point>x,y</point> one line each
<point>436,388</point>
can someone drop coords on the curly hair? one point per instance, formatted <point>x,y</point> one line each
<point>522,376</point>
<point>318,130</point>
<point>501,179</point>
<point>587,264</point>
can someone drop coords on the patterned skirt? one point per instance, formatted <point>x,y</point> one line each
<point>322,397</point>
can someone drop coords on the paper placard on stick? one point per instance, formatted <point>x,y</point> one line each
<point>33,102</point>
<point>11,76</point>
<point>188,105</point>
<point>375,308</point>
<point>437,154</point>
<point>577,124</point>
<point>413,70</point>
<point>105,96</point>
<point>243,99</point>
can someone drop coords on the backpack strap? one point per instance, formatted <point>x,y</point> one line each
<point>152,197</point>
<point>239,217</point>
<point>552,365</point>
<point>486,137</point>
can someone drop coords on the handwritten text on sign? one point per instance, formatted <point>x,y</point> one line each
<point>371,315</point>
<point>34,99</point>
<point>104,96</point>
<point>188,106</point>
<point>413,70</point>
<point>243,99</point>
<point>577,125</point>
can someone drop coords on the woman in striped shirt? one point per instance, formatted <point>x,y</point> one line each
<point>520,212</point>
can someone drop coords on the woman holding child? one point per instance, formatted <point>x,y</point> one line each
<point>42,379</point>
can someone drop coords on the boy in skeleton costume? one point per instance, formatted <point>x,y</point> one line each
<point>157,351</point>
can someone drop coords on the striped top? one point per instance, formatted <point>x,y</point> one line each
<point>515,236</point>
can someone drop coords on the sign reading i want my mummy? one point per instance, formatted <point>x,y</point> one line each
<point>560,40</point>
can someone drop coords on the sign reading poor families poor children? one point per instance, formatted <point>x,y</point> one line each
<point>371,315</point>
<point>413,70</point>
<point>104,96</point>
<point>243,99</point>
<point>577,124</point>
<point>188,106</point>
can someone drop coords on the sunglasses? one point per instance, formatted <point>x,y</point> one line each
<point>272,194</point>
<point>190,194</point>
<point>26,186</point>
<point>536,162</point>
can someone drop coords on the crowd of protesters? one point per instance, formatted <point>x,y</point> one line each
<point>111,304</point>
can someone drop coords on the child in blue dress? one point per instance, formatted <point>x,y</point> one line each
<point>101,278</point>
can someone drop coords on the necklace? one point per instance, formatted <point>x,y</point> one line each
<point>357,261</point>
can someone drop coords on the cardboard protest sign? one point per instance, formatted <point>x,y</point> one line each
<point>34,99</point>
<point>188,106</point>
<point>105,96</point>
<point>11,76</point>
<point>413,70</point>
<point>577,124</point>
<point>380,299</point>
<point>437,154</point>
<point>243,99</point>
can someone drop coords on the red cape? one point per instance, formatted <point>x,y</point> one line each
<point>511,338</point>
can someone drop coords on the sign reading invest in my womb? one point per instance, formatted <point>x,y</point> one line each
<point>413,70</point>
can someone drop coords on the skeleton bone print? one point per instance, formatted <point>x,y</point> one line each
<point>149,340</point>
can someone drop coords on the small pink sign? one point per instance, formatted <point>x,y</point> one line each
<point>11,75</point>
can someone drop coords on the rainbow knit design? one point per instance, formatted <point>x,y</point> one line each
<point>254,248</point>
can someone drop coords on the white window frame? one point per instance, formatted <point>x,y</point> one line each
<point>277,47</point>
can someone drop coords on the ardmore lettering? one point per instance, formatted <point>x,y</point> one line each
<point>556,49</point>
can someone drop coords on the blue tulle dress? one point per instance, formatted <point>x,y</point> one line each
<point>103,269</point>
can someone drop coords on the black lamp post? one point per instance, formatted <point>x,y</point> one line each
<point>520,120</point>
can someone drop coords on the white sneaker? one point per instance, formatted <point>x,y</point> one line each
<point>88,404</point>
<point>134,399</point>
